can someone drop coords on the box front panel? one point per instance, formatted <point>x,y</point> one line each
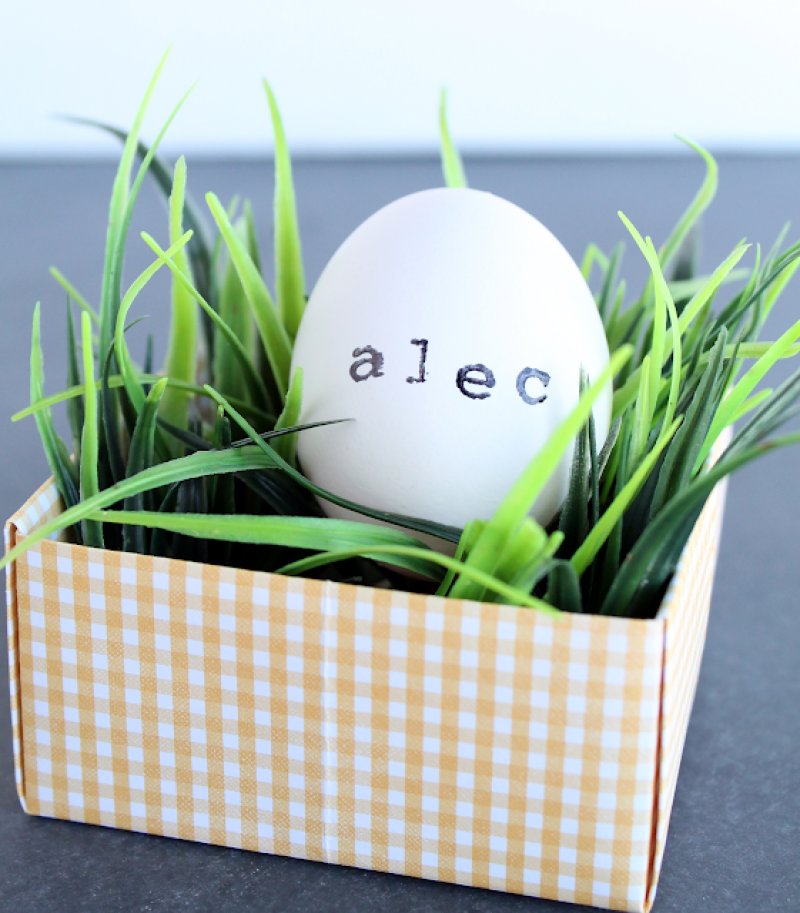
<point>485,745</point>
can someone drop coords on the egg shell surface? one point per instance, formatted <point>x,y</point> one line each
<point>450,328</point>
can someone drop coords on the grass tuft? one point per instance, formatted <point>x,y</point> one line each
<point>199,462</point>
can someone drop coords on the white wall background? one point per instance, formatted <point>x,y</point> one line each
<point>364,75</point>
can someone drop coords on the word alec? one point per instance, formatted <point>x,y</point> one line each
<point>469,379</point>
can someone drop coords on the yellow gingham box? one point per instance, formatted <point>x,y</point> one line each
<point>480,744</point>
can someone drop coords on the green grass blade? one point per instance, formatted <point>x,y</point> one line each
<point>141,456</point>
<point>626,394</point>
<point>111,410</point>
<point>182,345</point>
<point>652,561</point>
<point>274,337</point>
<point>131,380</point>
<point>699,204</point>
<point>452,166</point>
<point>286,446</point>
<point>290,288</point>
<point>661,338</point>
<point>195,466</point>
<point>90,486</point>
<point>74,294</point>
<point>423,526</point>
<point>115,381</point>
<point>200,250</point>
<point>600,532</point>
<point>120,194</point>
<point>685,289</point>
<point>393,554</point>
<point>756,400</point>
<point>62,467</point>
<point>234,310</point>
<point>468,536</point>
<point>737,396</point>
<point>574,520</point>
<point>250,236</point>
<point>312,533</point>
<point>605,300</point>
<point>563,588</point>
<point>228,333</point>
<point>593,255</point>
<point>491,544</point>
<point>75,413</point>
<point>681,456</point>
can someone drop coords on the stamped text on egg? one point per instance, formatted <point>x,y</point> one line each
<point>369,363</point>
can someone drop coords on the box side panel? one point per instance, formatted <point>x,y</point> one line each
<point>484,745</point>
<point>10,540</point>
<point>685,611</point>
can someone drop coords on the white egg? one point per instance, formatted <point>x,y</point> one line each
<point>451,328</point>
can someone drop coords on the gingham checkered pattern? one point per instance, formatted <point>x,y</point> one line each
<point>685,611</point>
<point>479,744</point>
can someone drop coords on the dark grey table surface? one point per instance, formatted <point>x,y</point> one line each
<point>734,840</point>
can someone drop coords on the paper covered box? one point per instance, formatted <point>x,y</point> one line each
<point>480,744</point>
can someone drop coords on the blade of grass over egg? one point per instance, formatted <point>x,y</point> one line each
<point>290,289</point>
<point>197,465</point>
<point>282,494</point>
<point>140,457</point>
<point>58,459</point>
<point>491,544</point>
<point>439,530</point>
<point>574,519</point>
<point>286,446</point>
<point>274,337</point>
<point>599,533</point>
<point>452,166</point>
<point>182,345</point>
<point>92,532</point>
